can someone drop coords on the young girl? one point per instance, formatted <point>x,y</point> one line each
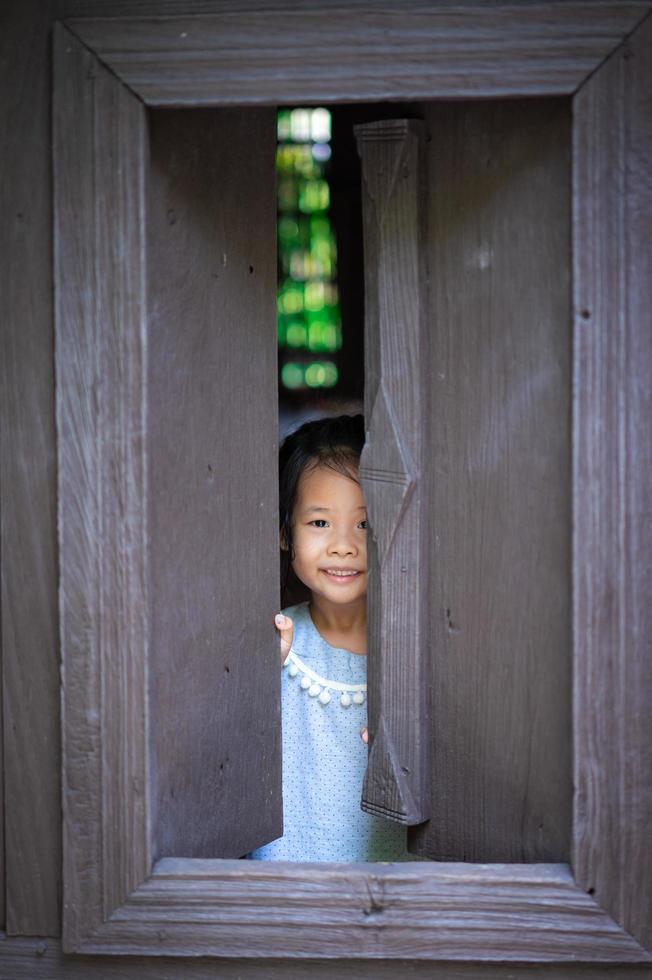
<point>323,650</point>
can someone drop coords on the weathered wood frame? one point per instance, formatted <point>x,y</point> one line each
<point>106,73</point>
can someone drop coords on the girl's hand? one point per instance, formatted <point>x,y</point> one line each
<point>285,627</point>
<point>364,735</point>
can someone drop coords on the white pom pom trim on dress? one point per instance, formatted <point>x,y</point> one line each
<point>322,688</point>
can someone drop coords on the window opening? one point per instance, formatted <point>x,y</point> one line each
<point>320,369</point>
<point>309,319</point>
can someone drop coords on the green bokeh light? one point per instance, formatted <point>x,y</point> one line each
<point>295,335</point>
<point>317,374</point>
<point>309,317</point>
<point>292,375</point>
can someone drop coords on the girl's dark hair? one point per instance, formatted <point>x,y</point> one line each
<point>334,442</point>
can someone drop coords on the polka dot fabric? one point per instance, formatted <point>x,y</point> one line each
<point>324,760</point>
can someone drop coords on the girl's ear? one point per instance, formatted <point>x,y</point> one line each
<point>283,540</point>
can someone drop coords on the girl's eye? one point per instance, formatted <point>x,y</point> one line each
<point>364,525</point>
<point>319,522</point>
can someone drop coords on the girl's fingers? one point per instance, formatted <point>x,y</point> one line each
<point>285,627</point>
<point>364,735</point>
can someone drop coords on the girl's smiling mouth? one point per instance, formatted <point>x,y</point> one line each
<point>341,573</point>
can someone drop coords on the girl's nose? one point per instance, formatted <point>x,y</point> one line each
<point>342,546</point>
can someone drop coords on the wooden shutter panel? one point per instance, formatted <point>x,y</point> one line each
<point>396,781</point>
<point>213,479</point>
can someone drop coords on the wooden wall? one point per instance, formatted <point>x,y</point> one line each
<point>28,489</point>
<point>212,478</point>
<point>499,227</point>
<point>26,959</point>
<point>30,732</point>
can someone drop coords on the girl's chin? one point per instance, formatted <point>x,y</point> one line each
<point>353,592</point>
<point>335,601</point>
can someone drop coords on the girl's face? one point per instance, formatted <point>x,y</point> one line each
<point>329,530</point>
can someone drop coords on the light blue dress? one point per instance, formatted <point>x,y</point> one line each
<point>324,758</point>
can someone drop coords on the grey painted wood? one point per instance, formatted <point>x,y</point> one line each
<point>433,912</point>
<point>38,959</point>
<point>499,451</point>
<point>99,260</point>
<point>2,811</point>
<point>212,438</point>
<point>609,12</point>
<point>2,816</point>
<point>28,617</point>
<point>396,782</point>
<point>613,474</point>
<point>383,52</point>
<point>35,285</point>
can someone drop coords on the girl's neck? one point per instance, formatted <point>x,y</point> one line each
<point>341,626</point>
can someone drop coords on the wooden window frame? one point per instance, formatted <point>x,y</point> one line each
<point>106,72</point>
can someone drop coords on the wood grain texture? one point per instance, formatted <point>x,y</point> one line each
<point>612,855</point>
<point>499,480</point>
<point>38,959</point>
<point>99,148</point>
<point>418,51</point>
<point>35,960</point>
<point>212,437</point>
<point>396,782</point>
<point>28,617</point>
<point>610,10</point>
<point>2,813</point>
<point>406,911</point>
